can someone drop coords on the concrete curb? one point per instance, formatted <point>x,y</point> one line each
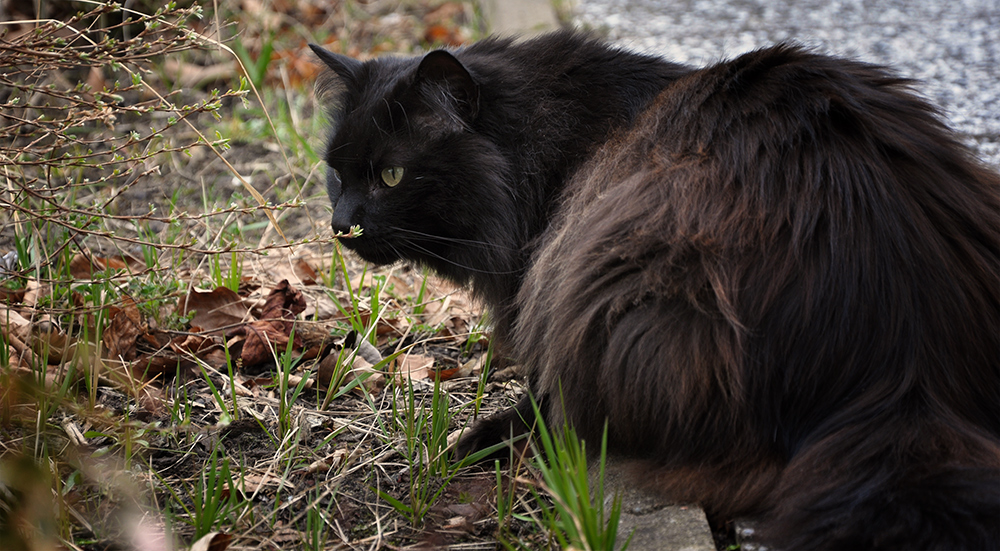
<point>653,522</point>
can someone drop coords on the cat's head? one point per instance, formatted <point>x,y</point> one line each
<point>407,164</point>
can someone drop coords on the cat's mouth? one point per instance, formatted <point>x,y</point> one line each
<point>369,250</point>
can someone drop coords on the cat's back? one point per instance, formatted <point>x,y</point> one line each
<point>784,111</point>
<point>776,149</point>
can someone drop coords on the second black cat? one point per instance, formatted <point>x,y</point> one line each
<point>777,279</point>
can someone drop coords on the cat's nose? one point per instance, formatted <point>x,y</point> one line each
<point>344,214</point>
<point>340,224</point>
<point>339,227</point>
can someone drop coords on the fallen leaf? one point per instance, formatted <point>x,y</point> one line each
<point>262,339</point>
<point>216,310</point>
<point>459,523</point>
<point>124,330</point>
<point>297,270</point>
<point>372,379</point>
<point>463,370</point>
<point>208,349</point>
<point>253,482</point>
<point>83,266</point>
<point>52,345</point>
<point>33,291</point>
<point>327,370</point>
<point>11,296</point>
<point>274,328</point>
<point>11,320</point>
<point>213,541</point>
<point>283,304</point>
<point>413,366</point>
<point>331,462</point>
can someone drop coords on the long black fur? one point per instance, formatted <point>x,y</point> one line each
<point>776,278</point>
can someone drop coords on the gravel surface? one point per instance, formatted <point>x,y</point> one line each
<point>952,46</point>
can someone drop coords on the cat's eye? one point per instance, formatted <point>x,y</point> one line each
<point>392,175</point>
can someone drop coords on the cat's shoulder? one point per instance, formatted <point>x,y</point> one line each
<point>789,91</point>
<point>792,78</point>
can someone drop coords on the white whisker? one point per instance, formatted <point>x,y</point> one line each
<point>417,248</point>
<point>444,239</point>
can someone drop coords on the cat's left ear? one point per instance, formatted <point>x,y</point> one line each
<point>346,68</point>
<point>440,68</point>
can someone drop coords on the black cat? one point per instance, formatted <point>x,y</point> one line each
<point>777,278</point>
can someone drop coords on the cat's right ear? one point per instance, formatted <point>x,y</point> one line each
<point>346,68</point>
<point>440,68</point>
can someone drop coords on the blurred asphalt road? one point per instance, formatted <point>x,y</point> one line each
<point>951,46</point>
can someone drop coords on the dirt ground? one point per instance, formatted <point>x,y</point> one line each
<point>137,386</point>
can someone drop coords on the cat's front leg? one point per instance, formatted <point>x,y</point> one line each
<point>511,425</point>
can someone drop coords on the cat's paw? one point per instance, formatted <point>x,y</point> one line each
<point>511,427</point>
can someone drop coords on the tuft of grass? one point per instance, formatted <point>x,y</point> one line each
<point>229,278</point>
<point>576,519</point>
<point>425,434</point>
<point>215,499</point>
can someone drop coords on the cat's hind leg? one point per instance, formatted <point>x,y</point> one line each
<point>899,484</point>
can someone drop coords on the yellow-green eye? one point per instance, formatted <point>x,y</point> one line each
<point>392,175</point>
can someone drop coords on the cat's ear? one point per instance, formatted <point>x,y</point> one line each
<point>346,68</point>
<point>440,68</point>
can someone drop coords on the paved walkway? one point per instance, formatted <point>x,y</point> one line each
<point>952,48</point>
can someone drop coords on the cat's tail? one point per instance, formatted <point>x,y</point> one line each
<point>899,486</point>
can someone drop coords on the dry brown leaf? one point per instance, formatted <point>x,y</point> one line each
<point>372,379</point>
<point>166,355</point>
<point>296,270</point>
<point>331,462</point>
<point>53,346</point>
<point>326,370</point>
<point>11,320</point>
<point>216,310</point>
<point>83,266</point>
<point>208,349</point>
<point>272,331</point>
<point>262,338</point>
<point>472,510</point>
<point>463,370</point>
<point>413,366</point>
<point>11,296</point>
<point>253,482</point>
<point>124,330</point>
<point>283,304</point>
<point>14,329</point>
<point>33,291</point>
<point>213,541</point>
<point>459,523</point>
